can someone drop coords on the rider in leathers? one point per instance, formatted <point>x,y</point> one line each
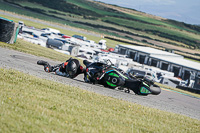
<point>71,68</point>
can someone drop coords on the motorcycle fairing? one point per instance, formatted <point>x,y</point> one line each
<point>145,84</point>
<point>118,73</point>
<point>113,74</point>
<point>144,90</point>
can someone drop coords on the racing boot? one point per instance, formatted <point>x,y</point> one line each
<point>47,66</point>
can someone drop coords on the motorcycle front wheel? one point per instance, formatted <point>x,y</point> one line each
<point>155,89</point>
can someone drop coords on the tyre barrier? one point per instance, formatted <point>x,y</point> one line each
<point>8,30</point>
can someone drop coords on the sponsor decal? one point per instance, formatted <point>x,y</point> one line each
<point>145,84</point>
<point>118,73</point>
<point>113,74</point>
<point>144,90</point>
<point>110,84</point>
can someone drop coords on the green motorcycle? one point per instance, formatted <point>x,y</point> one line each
<point>113,77</point>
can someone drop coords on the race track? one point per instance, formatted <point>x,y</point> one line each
<point>168,100</point>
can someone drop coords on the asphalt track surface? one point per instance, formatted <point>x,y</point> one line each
<point>167,101</point>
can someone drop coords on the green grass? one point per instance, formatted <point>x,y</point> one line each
<point>160,22</point>
<point>142,18</point>
<point>95,7</point>
<point>30,104</point>
<point>161,29</point>
<point>198,61</point>
<point>26,13</point>
<point>26,47</point>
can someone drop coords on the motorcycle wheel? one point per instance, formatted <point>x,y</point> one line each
<point>155,89</point>
<point>106,85</point>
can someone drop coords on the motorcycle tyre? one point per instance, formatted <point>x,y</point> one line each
<point>107,86</point>
<point>155,89</point>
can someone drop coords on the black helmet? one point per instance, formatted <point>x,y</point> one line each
<point>71,68</point>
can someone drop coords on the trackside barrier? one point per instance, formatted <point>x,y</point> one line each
<point>8,30</point>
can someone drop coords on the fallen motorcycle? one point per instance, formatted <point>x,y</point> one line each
<point>110,76</point>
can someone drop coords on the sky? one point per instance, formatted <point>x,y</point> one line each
<point>187,11</point>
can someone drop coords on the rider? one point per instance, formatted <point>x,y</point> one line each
<point>71,68</point>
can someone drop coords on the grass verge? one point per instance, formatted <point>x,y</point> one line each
<point>27,47</point>
<point>179,90</point>
<point>30,104</point>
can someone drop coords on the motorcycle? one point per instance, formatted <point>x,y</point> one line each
<point>110,76</point>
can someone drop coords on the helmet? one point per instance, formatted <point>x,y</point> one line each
<point>71,68</point>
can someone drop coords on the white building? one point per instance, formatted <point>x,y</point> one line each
<point>175,63</point>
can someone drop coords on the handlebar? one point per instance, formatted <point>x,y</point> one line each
<point>107,63</point>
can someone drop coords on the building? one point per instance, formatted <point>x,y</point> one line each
<point>185,69</point>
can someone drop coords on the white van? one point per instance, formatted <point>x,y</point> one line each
<point>86,53</point>
<point>21,23</point>
<point>92,43</point>
<point>50,30</point>
<point>102,44</point>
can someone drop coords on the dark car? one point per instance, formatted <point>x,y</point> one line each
<point>45,34</point>
<point>30,33</point>
<point>79,37</point>
<point>62,40</point>
<point>60,34</point>
<point>54,43</point>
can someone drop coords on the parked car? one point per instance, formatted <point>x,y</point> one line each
<point>50,30</point>
<point>60,34</point>
<point>92,43</point>
<point>110,49</point>
<point>54,43</point>
<point>62,40</point>
<point>30,33</point>
<point>45,34</point>
<point>80,37</point>
<point>84,52</point>
<point>65,36</point>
